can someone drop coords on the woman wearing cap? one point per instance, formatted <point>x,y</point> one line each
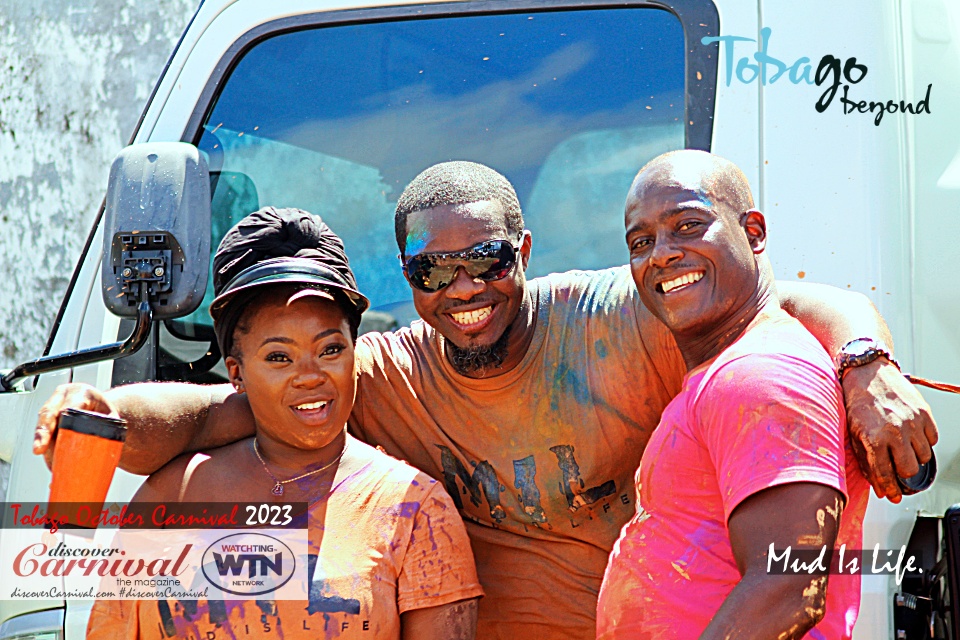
<point>389,554</point>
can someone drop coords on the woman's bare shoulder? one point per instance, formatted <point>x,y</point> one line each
<point>194,476</point>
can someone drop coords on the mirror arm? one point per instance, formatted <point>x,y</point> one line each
<point>85,356</point>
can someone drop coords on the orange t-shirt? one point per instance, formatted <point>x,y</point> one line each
<point>387,539</point>
<point>540,460</point>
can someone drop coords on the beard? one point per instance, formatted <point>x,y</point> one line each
<point>473,360</point>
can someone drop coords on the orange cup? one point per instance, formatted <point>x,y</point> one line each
<point>84,461</point>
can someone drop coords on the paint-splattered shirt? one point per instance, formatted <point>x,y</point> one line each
<point>767,411</point>
<point>391,542</point>
<point>539,460</point>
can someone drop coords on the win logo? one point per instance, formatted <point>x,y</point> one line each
<point>233,564</point>
<point>248,564</point>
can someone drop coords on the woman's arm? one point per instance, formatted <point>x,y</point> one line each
<point>437,565</point>
<point>120,619</point>
<point>891,426</point>
<point>454,621</point>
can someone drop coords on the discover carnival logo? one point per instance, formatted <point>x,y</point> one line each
<point>831,73</point>
<point>138,564</point>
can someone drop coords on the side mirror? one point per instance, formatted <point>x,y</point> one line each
<point>156,242</point>
<point>156,247</point>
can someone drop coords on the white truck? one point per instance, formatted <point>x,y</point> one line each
<point>842,115</point>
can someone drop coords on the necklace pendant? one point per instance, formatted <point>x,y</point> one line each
<point>277,489</point>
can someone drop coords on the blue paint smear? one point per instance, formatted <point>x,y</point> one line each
<point>320,603</point>
<point>416,241</point>
<point>332,604</point>
<point>405,509</point>
<point>567,382</point>
<point>600,349</point>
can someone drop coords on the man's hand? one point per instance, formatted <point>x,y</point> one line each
<point>164,419</point>
<point>66,396</point>
<point>890,424</point>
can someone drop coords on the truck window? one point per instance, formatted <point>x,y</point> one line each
<point>336,120</point>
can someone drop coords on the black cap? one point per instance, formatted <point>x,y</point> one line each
<point>274,247</point>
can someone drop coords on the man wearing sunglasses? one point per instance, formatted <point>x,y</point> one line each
<point>531,400</point>
<point>489,262</point>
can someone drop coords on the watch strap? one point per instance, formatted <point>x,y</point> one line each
<point>852,355</point>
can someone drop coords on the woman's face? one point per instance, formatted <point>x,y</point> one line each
<point>296,366</point>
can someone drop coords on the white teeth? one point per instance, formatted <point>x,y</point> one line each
<point>688,278</point>
<point>310,406</point>
<point>472,317</point>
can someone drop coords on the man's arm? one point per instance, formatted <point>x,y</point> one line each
<point>454,621</point>
<point>833,316</point>
<point>163,419</point>
<point>890,424</point>
<point>766,605</point>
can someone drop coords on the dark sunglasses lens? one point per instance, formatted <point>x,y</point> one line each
<point>425,274</point>
<point>496,265</point>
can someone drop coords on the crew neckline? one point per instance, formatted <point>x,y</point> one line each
<point>760,320</point>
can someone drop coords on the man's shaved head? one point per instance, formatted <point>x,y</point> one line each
<point>697,250</point>
<point>716,178</point>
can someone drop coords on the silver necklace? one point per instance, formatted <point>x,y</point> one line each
<point>278,483</point>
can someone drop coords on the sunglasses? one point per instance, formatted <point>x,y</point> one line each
<point>488,261</point>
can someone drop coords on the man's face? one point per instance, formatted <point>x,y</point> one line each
<point>468,312</point>
<point>690,258</point>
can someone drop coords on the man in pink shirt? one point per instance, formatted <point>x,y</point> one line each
<point>751,453</point>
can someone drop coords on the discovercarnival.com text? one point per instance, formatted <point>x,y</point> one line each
<point>125,592</point>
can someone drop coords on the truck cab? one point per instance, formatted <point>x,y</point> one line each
<point>333,106</point>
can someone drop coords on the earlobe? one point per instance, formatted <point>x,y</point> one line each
<point>234,373</point>
<point>755,225</point>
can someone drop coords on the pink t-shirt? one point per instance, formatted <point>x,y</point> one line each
<point>766,412</point>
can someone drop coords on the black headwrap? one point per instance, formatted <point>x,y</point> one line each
<point>278,233</point>
<point>275,233</point>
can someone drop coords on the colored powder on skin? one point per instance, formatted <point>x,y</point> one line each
<point>416,241</point>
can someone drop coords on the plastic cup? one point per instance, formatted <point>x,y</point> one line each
<point>84,461</point>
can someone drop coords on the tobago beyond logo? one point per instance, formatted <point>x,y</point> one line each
<point>248,564</point>
<point>831,73</point>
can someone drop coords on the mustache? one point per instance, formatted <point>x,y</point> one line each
<point>674,267</point>
<point>454,304</point>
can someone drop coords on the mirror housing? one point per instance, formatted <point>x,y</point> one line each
<point>156,242</point>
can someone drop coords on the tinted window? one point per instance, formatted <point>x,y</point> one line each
<point>337,120</point>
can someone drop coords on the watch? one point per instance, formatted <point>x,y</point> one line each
<point>859,352</point>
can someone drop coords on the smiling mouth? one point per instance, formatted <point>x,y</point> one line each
<point>681,282</point>
<point>312,410</point>
<point>472,319</point>
<point>310,406</point>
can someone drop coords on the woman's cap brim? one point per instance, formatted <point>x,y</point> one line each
<point>279,271</point>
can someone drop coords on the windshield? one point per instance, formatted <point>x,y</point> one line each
<point>336,120</point>
<point>567,105</point>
